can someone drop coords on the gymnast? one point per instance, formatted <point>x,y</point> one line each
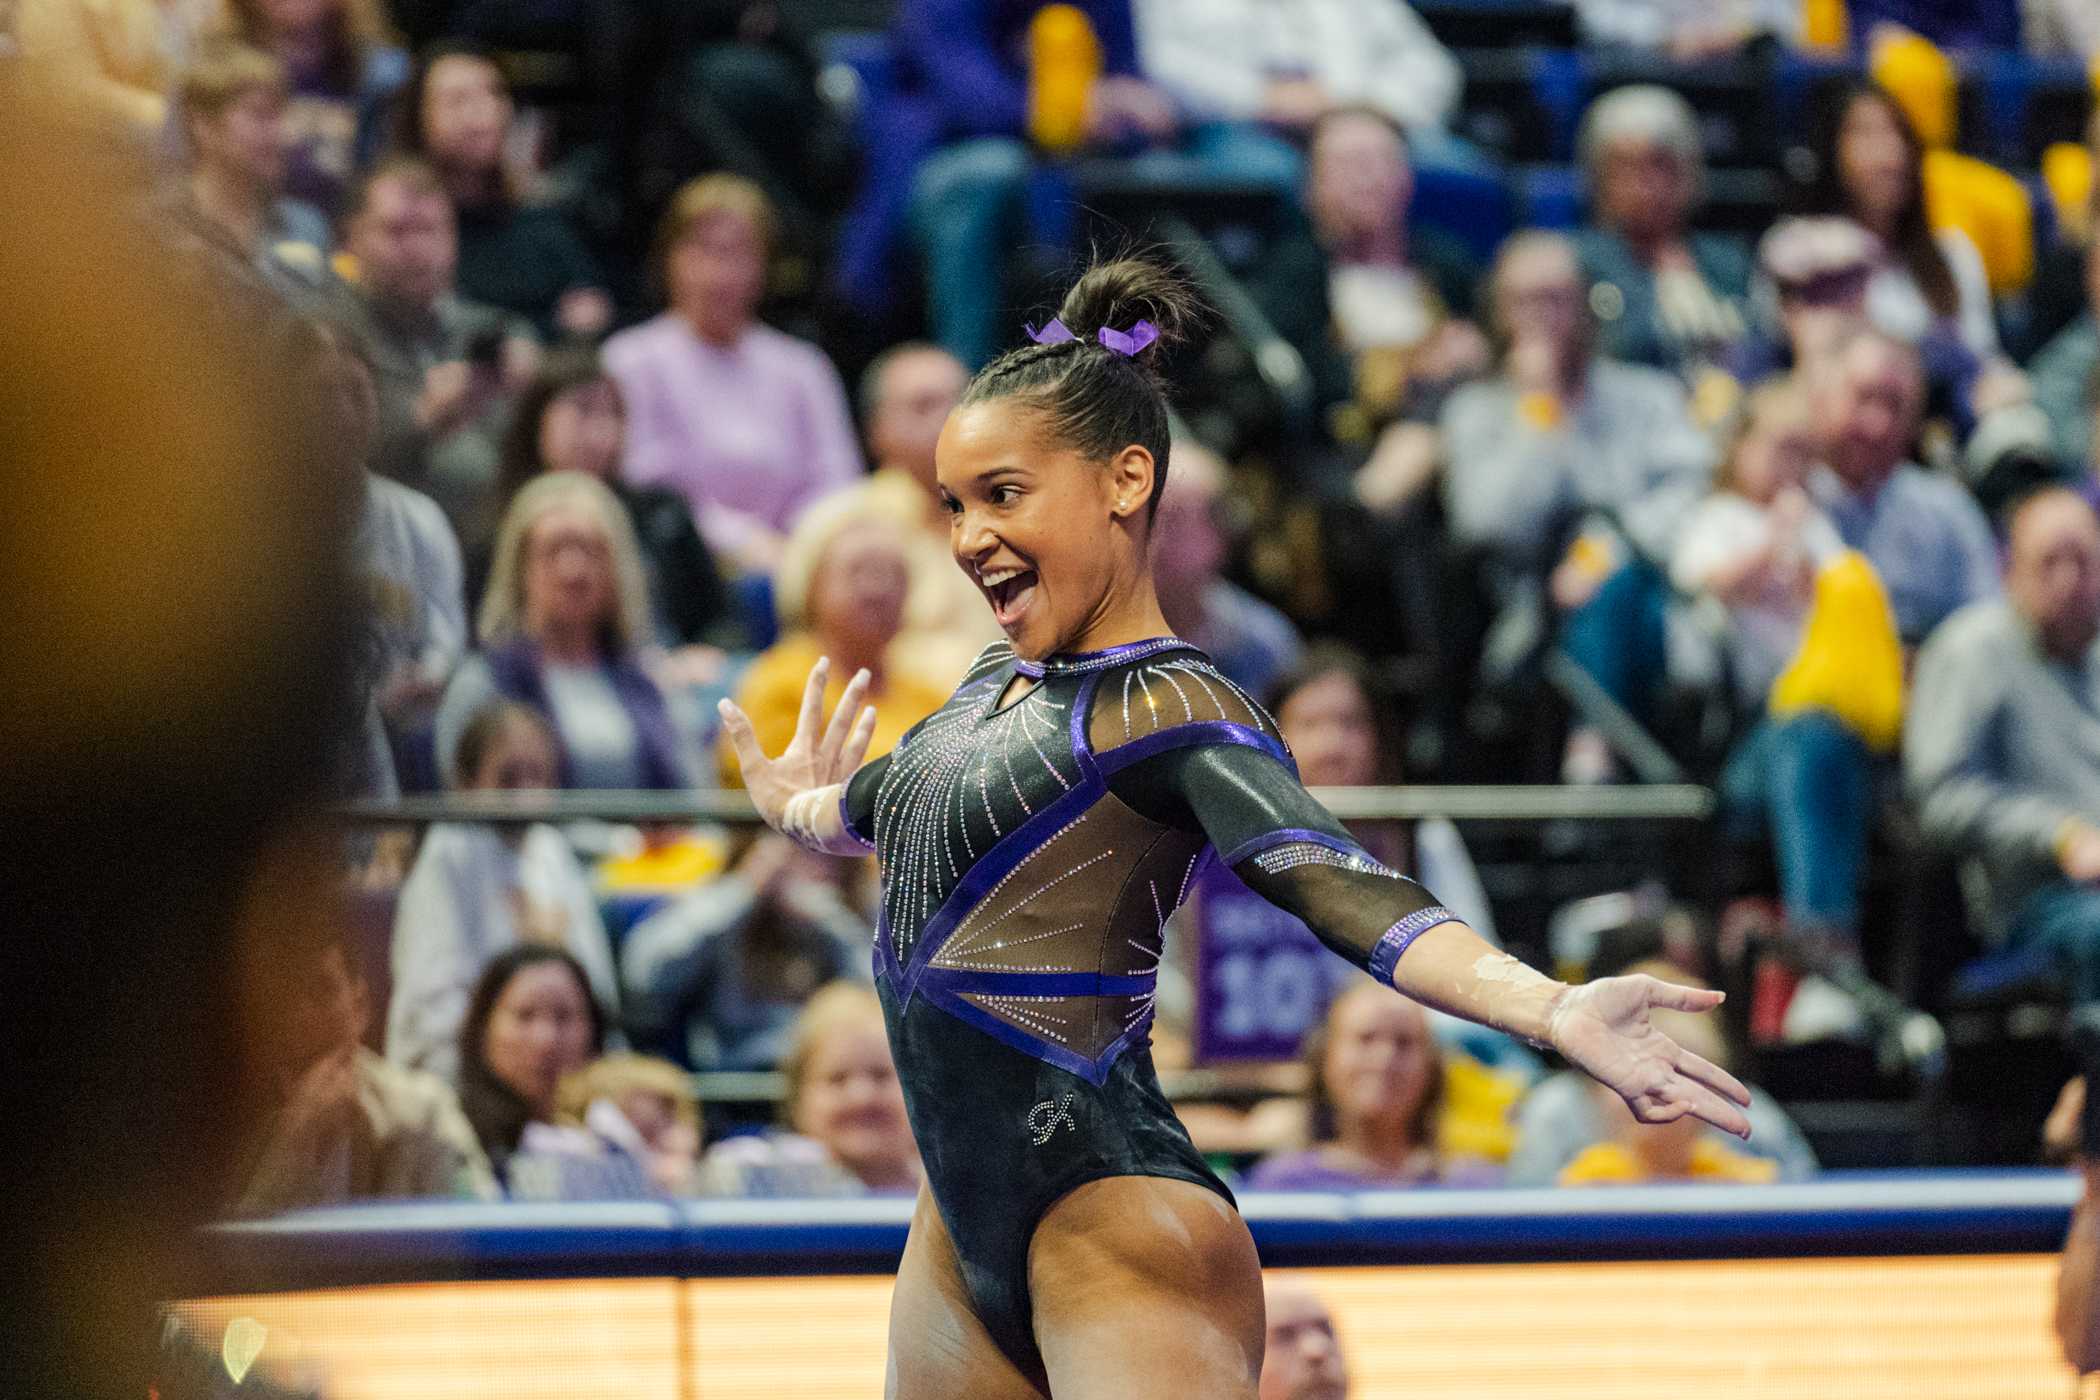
<point>1033,836</point>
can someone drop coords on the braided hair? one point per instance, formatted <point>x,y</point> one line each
<point>1095,400</point>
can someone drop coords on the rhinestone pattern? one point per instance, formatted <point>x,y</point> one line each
<point>1292,854</point>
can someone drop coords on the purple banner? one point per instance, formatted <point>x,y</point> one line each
<point>1262,979</point>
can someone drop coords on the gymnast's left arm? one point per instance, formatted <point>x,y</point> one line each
<point>1292,852</point>
<point>805,792</point>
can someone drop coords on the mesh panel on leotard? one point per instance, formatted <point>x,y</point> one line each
<point>1178,688</point>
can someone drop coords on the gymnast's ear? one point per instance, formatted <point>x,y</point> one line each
<point>1130,476</point>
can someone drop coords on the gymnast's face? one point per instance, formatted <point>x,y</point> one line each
<point>1055,539</point>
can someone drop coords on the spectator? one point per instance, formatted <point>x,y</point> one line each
<point>1999,749</point>
<point>563,622</point>
<point>231,101</point>
<point>1686,32</point>
<point>846,1132</point>
<point>1868,165</point>
<point>1376,306</point>
<point>2063,372</point>
<point>906,394</point>
<point>571,418</point>
<point>349,1126</point>
<point>1665,295</point>
<point>850,611</point>
<point>1251,642</point>
<point>721,975</point>
<point>1287,66</point>
<point>479,889</point>
<point>646,1104</point>
<point>747,423</point>
<point>515,255</point>
<point>1562,444</point>
<point>1560,1121</point>
<point>119,57</point>
<point>1924,535</point>
<point>345,70</point>
<point>448,369</point>
<point>1301,1356</point>
<point>532,1022</point>
<point>1377,1078</point>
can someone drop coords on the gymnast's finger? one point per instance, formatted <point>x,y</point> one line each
<point>842,720</point>
<point>857,743</point>
<point>742,737</point>
<point>810,722</point>
<point>1706,1072</point>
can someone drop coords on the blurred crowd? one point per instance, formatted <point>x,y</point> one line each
<point>633,329</point>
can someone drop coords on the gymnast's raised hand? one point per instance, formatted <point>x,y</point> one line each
<point>797,793</point>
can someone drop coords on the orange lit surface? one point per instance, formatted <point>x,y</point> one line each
<point>1966,1328</point>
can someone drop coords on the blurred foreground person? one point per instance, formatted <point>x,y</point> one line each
<point>1301,1355</point>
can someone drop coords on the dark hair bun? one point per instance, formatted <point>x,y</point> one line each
<point>1121,293</point>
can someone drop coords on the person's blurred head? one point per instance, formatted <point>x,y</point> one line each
<point>1327,707</point>
<point>2052,573</point>
<point>570,418</point>
<point>1358,179</point>
<point>1535,292</point>
<point>1864,161</point>
<point>398,225</point>
<point>1868,393</point>
<point>1772,444</point>
<point>506,747</point>
<point>1640,148</point>
<point>532,1020</point>
<point>1301,1354</point>
<point>1188,547</point>
<point>457,110</point>
<point>842,1085</point>
<point>906,396</point>
<point>232,100</point>
<point>711,253</point>
<point>1819,266</point>
<point>349,30</point>
<point>1376,1068</point>
<point>565,563</point>
<point>655,1097</point>
<point>857,594</point>
<point>347,403</point>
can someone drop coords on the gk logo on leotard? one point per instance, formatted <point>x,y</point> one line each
<point>1048,1116</point>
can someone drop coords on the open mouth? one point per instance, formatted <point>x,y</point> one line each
<point>1010,591</point>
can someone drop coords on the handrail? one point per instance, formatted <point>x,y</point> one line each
<point>1674,802</point>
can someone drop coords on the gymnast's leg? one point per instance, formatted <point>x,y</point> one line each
<point>1146,1286</point>
<point>938,1348</point>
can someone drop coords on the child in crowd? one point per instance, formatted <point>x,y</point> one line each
<point>645,1104</point>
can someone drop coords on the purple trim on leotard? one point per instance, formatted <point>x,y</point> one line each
<point>846,817</point>
<point>1041,984</point>
<point>1094,1071</point>
<point>1385,954</point>
<point>1201,731</point>
<point>1282,835</point>
<point>1066,663</point>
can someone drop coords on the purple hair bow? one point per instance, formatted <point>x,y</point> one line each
<point>1128,342</point>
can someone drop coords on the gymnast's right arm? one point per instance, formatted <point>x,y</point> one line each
<point>801,794</point>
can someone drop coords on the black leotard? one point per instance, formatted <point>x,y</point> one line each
<point>1030,854</point>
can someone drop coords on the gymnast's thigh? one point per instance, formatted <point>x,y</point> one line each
<point>1145,1285</point>
<point>939,1350</point>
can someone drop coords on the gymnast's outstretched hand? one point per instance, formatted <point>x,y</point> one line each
<point>1602,1027</point>
<point>796,793</point>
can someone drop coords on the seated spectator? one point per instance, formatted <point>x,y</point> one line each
<point>1999,749</point>
<point>514,254</point>
<point>906,395</point>
<point>448,369</point>
<point>562,624</point>
<point>846,1133</point>
<point>2063,373</point>
<point>231,102</point>
<point>850,610</point>
<point>349,1126</point>
<point>119,57</point>
<point>345,69</point>
<point>1377,1079</point>
<point>571,418</point>
<point>646,1104</point>
<point>1301,1357</point>
<point>532,1023</point>
<point>1376,305</point>
<point>1686,33</point>
<point>720,976</point>
<point>1563,445</point>
<point>1664,295</point>
<point>1567,1135</point>
<point>1251,641</point>
<point>477,889</point>
<point>1867,165</point>
<point>749,424</point>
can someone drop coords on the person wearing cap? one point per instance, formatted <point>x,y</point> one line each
<point>1663,295</point>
